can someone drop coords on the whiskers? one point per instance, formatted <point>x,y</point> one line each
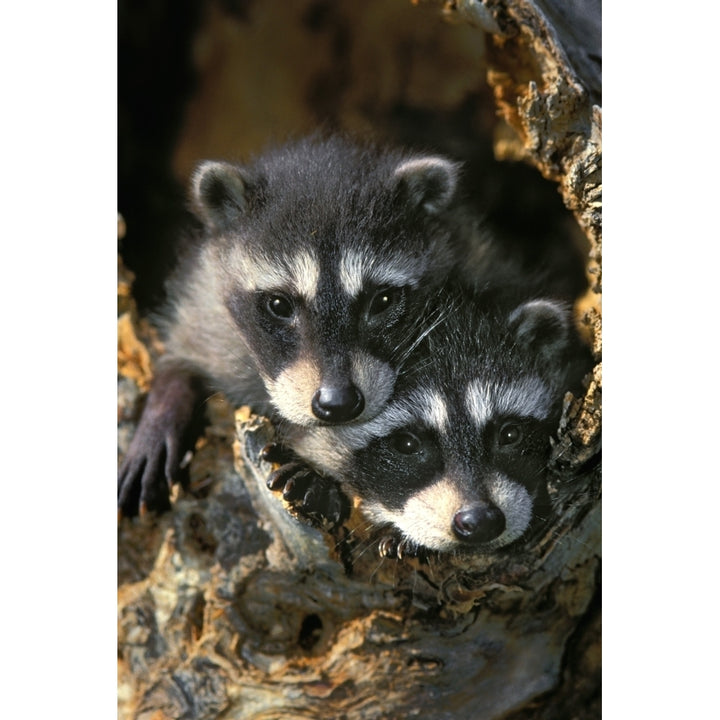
<point>361,548</point>
<point>213,396</point>
<point>432,316</point>
<point>358,539</point>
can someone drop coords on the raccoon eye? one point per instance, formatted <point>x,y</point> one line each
<point>279,306</point>
<point>383,300</point>
<point>406,443</point>
<point>509,434</point>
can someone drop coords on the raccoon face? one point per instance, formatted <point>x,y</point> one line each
<point>326,251</point>
<point>324,356</point>
<point>449,476</point>
<point>458,457</point>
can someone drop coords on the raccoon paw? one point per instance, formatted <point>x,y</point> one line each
<point>151,466</point>
<point>312,497</point>
<point>153,463</point>
<point>395,548</point>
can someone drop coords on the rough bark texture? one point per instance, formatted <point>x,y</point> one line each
<point>228,607</point>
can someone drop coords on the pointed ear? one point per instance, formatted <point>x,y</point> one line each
<point>543,327</point>
<point>220,193</point>
<point>428,182</point>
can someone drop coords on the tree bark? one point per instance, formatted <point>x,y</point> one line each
<point>228,607</point>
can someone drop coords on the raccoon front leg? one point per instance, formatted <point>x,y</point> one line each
<point>170,424</point>
<point>313,497</point>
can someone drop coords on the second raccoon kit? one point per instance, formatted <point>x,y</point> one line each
<point>457,460</point>
<point>300,296</point>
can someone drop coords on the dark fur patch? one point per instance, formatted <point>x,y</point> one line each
<point>488,342</point>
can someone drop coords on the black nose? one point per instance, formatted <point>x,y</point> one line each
<point>478,523</point>
<point>337,405</point>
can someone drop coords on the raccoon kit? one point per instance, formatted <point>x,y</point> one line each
<point>457,459</point>
<point>300,296</point>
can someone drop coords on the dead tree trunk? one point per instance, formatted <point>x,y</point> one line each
<point>230,608</point>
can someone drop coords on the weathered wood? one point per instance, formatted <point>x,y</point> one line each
<point>248,612</point>
<point>544,68</point>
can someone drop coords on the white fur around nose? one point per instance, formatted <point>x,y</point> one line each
<point>516,505</point>
<point>427,516</point>
<point>292,391</point>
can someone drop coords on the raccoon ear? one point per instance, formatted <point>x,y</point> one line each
<point>543,327</point>
<point>220,192</point>
<point>429,182</point>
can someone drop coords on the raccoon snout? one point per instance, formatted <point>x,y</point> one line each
<point>337,404</point>
<point>478,523</point>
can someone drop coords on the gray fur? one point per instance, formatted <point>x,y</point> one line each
<point>493,366</point>
<point>322,221</point>
<point>302,294</point>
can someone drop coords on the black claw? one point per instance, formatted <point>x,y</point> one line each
<point>394,548</point>
<point>387,547</point>
<point>288,492</point>
<point>276,453</point>
<point>299,487</point>
<point>407,548</point>
<point>313,497</point>
<point>280,477</point>
<point>273,482</point>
